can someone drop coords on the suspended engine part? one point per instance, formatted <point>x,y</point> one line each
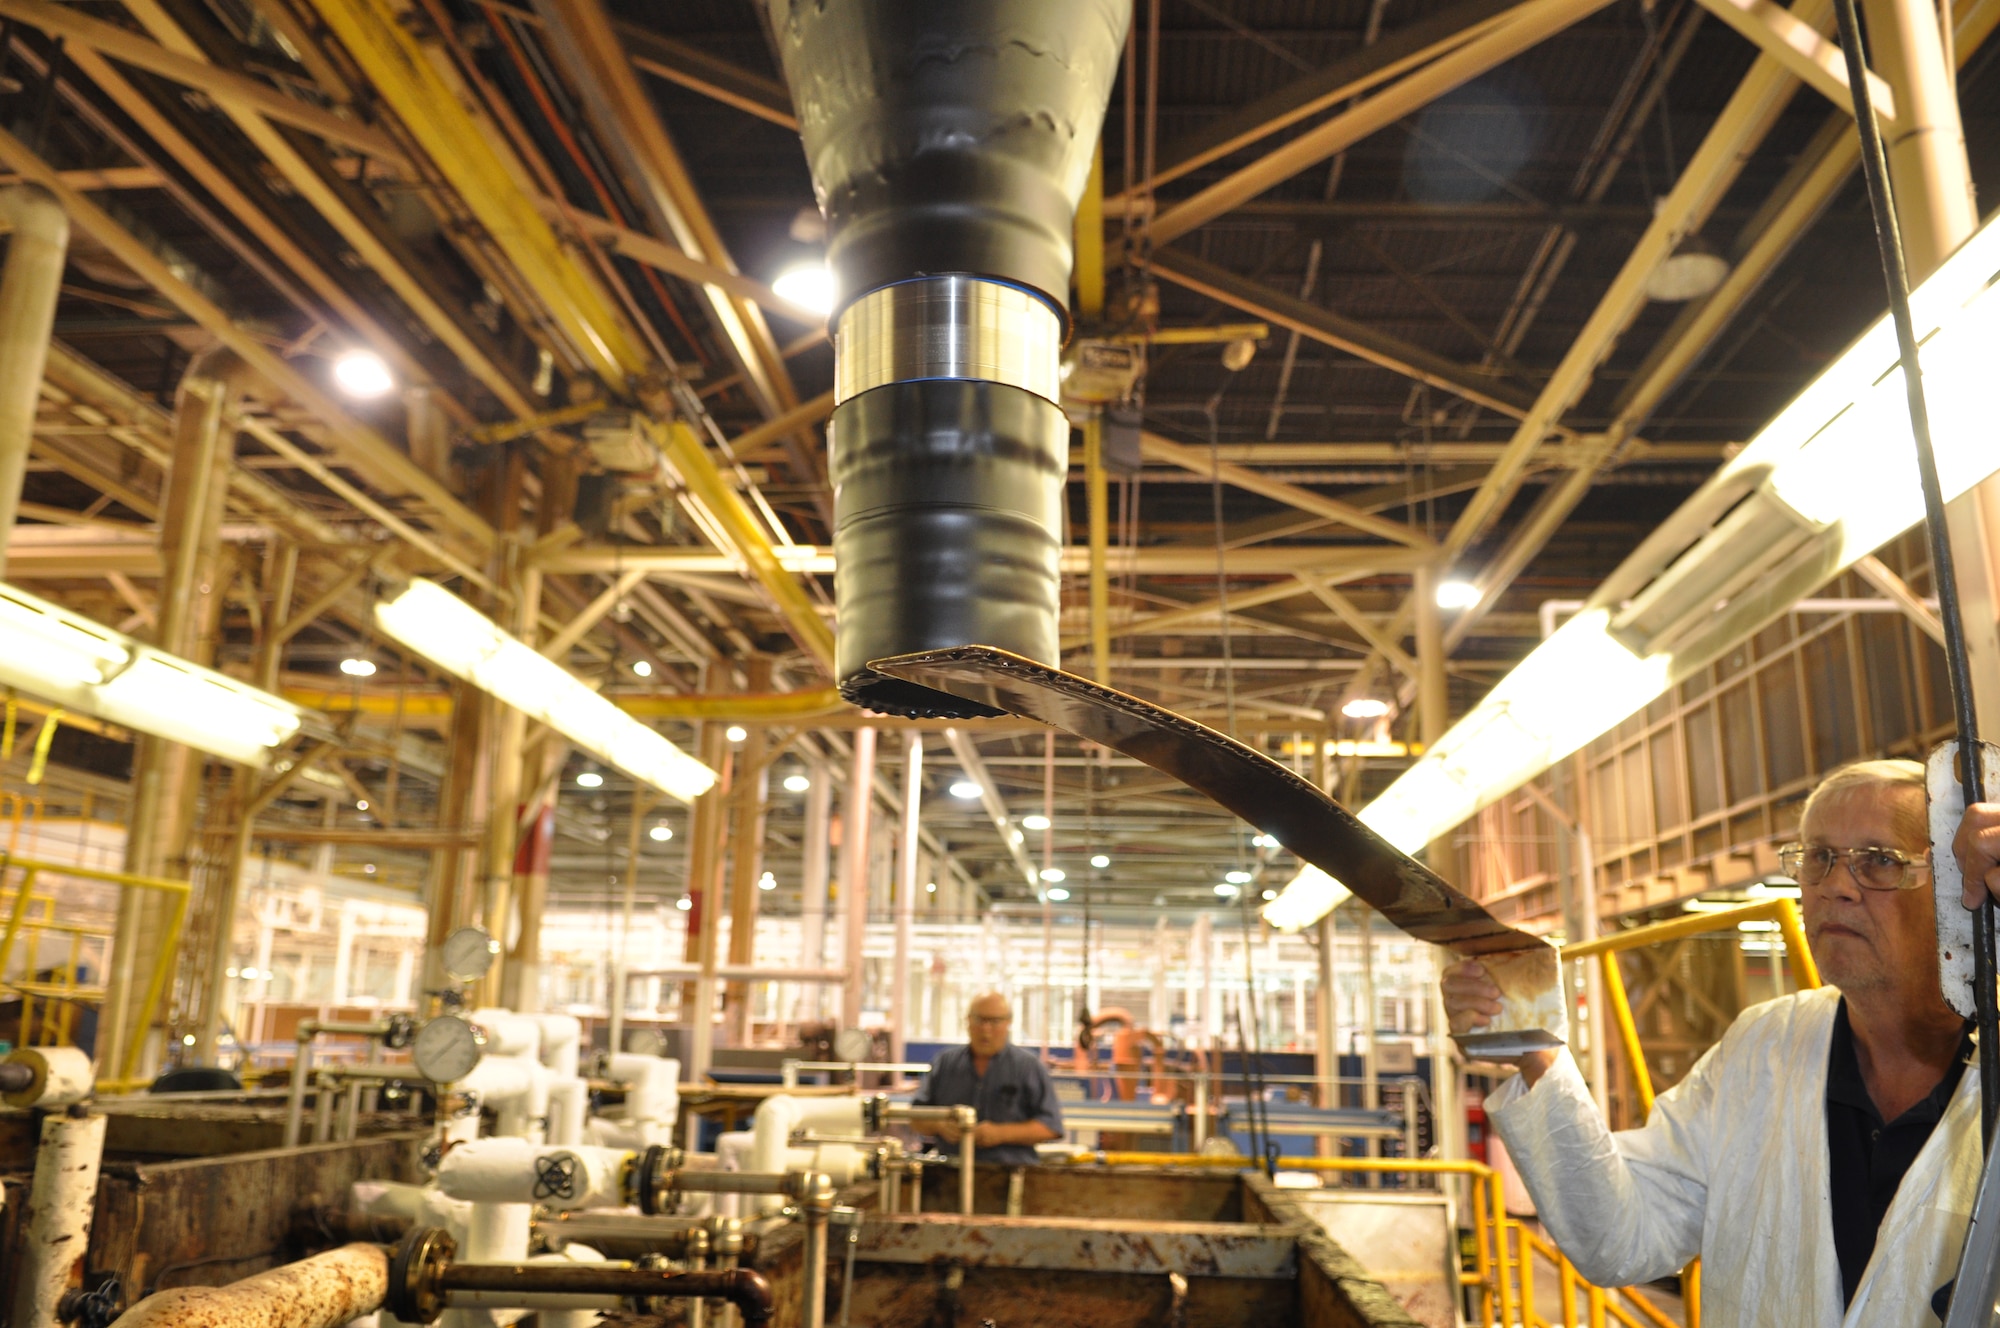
<point>949,145</point>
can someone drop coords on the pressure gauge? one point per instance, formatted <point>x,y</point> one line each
<point>852,1044</point>
<point>468,953</point>
<point>446,1049</point>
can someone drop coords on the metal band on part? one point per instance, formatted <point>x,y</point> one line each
<point>948,327</point>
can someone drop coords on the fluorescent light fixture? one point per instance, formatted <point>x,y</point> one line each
<point>467,644</point>
<point>1034,821</point>
<point>1365,707</point>
<point>1457,594</point>
<point>736,733</point>
<point>87,668</point>
<point>1831,478</point>
<point>642,667</point>
<point>589,779</point>
<point>964,788</point>
<point>1058,895</point>
<point>660,833</point>
<point>362,375</point>
<point>358,667</point>
<point>1100,860</point>
<point>797,783</point>
<point>767,881</point>
<point>808,285</point>
<point>1053,874</point>
<point>683,903</point>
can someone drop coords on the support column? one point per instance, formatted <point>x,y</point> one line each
<point>855,866</point>
<point>907,886</point>
<point>503,811</point>
<point>166,776</point>
<point>621,961</point>
<point>815,849</point>
<point>704,895</point>
<point>1433,719</point>
<point>753,782</point>
<point>1932,182</point>
<point>28,287</point>
<point>1098,504</point>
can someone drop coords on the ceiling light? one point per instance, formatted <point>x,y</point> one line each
<point>368,867</point>
<point>736,733</point>
<point>1238,878</point>
<point>965,788</point>
<point>1796,476</point>
<point>1365,707</point>
<point>589,779</point>
<point>89,669</point>
<point>930,887</point>
<point>467,644</point>
<point>357,667</point>
<point>683,903</point>
<point>1015,837</point>
<point>1227,891</point>
<point>644,668</point>
<point>362,375</point>
<point>1270,895</point>
<point>1690,272</point>
<point>797,783</point>
<point>808,285</point>
<point>1100,861</point>
<point>660,833</point>
<point>1265,841</point>
<point>767,881</point>
<point>361,804</point>
<point>1057,894</point>
<point>1054,874</point>
<point>1034,821</point>
<point>1457,594</point>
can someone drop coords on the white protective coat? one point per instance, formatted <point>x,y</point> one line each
<point>1732,1165</point>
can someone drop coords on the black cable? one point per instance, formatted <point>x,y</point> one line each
<point>1895,274</point>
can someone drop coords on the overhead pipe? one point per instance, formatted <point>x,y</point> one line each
<point>29,285</point>
<point>949,146</point>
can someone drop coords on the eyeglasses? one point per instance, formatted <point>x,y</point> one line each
<point>993,1019</point>
<point>1872,868</point>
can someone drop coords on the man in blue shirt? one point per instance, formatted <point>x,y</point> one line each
<point>1008,1086</point>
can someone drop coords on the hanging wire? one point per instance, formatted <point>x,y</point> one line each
<point>1895,274</point>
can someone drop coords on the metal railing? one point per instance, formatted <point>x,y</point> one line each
<point>18,923</point>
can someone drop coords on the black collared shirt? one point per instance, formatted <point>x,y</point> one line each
<point>1867,1158</point>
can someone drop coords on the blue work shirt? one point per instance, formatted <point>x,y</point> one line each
<point>1016,1087</point>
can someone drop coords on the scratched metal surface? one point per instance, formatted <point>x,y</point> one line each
<point>1095,1245</point>
<point>1248,783</point>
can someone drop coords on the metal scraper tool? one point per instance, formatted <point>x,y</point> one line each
<point>1282,805</point>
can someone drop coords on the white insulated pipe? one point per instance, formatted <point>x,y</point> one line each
<point>780,1114</point>
<point>29,284</point>
<point>515,1171</point>
<point>60,1205</point>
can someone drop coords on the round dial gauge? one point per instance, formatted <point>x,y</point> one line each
<point>468,953</point>
<point>446,1049</point>
<point>852,1044</point>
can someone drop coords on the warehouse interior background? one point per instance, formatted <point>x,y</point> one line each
<point>1400,330</point>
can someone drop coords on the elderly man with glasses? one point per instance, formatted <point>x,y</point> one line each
<point>1823,1156</point>
<point>1007,1085</point>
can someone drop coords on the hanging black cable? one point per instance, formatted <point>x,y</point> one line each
<point>1895,273</point>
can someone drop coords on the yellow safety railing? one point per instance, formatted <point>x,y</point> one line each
<point>18,922</point>
<point>1502,1275</point>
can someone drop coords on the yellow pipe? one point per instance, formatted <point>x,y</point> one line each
<point>697,470</point>
<point>1090,243</point>
<point>398,67</point>
<point>1692,924</point>
<point>1805,971</point>
<point>1097,497</point>
<point>1628,1032</point>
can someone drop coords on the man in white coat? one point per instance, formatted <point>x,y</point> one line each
<point>1823,1156</point>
